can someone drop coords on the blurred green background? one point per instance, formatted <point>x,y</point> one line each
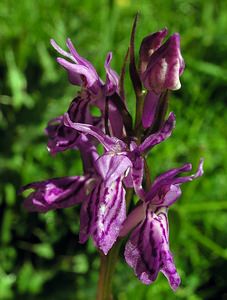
<point>40,257</point>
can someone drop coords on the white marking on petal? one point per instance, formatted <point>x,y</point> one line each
<point>102,209</point>
<point>163,71</point>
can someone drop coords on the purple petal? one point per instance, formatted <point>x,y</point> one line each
<point>112,78</point>
<point>55,193</point>
<point>88,211</point>
<point>170,174</point>
<point>78,70</point>
<point>165,66</point>
<point>111,167</point>
<point>164,196</point>
<point>147,250</point>
<point>128,179</point>
<point>79,109</point>
<point>149,45</point>
<point>103,214</point>
<point>60,137</point>
<point>166,187</point>
<point>109,143</point>
<point>159,136</point>
<point>111,214</point>
<point>61,51</point>
<point>199,172</point>
<point>88,153</point>
<point>149,109</point>
<point>137,176</point>
<point>79,59</point>
<point>115,119</point>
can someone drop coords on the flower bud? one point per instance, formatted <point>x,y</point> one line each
<point>165,65</point>
<point>149,45</point>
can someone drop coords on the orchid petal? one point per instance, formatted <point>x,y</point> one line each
<point>79,66</point>
<point>103,214</point>
<point>109,143</point>
<point>147,250</point>
<point>198,173</point>
<point>165,66</point>
<point>60,137</point>
<point>159,136</point>
<point>149,109</point>
<point>75,70</point>
<point>137,176</point>
<point>133,219</point>
<point>166,187</point>
<point>55,193</point>
<point>88,153</point>
<point>115,119</point>
<point>88,212</point>
<point>79,59</point>
<point>111,166</point>
<point>112,78</point>
<point>111,213</point>
<point>61,51</point>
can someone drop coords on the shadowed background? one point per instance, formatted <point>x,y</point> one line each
<point>40,257</point>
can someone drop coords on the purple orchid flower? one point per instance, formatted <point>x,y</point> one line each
<point>94,93</point>
<point>66,191</point>
<point>55,193</point>
<point>60,137</point>
<point>148,46</point>
<point>81,72</point>
<point>147,250</point>
<point>165,64</point>
<point>160,69</point>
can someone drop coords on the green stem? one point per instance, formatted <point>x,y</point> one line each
<point>107,268</point>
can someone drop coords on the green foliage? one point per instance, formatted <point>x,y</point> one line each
<point>40,257</point>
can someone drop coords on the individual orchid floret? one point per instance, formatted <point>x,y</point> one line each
<point>65,191</point>
<point>55,193</point>
<point>94,91</point>
<point>165,65</point>
<point>80,71</point>
<point>147,250</point>
<point>60,137</point>
<point>166,187</point>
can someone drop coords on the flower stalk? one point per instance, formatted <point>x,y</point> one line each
<point>107,268</point>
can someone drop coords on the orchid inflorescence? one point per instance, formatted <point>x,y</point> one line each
<point>107,214</point>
